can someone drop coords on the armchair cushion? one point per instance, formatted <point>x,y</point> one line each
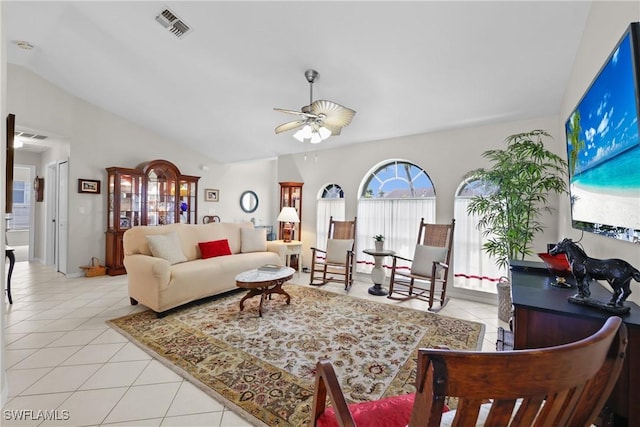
<point>424,257</point>
<point>166,246</point>
<point>337,250</point>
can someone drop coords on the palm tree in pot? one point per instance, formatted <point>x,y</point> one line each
<point>520,181</point>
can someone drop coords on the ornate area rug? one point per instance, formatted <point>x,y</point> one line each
<point>264,367</point>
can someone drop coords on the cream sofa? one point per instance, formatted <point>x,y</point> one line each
<point>164,283</point>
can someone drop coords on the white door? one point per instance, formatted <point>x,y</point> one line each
<point>51,203</point>
<point>63,215</point>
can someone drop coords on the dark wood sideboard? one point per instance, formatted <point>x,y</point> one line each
<point>543,317</point>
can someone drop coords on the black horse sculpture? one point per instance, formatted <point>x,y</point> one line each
<point>616,272</point>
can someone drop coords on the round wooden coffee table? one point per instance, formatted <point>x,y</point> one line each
<point>263,283</point>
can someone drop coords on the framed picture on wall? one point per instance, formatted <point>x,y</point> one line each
<point>211,195</point>
<point>88,186</point>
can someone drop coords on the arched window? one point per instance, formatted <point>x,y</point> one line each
<point>393,198</point>
<point>330,204</point>
<point>472,267</point>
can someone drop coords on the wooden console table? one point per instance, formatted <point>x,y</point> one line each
<point>543,317</point>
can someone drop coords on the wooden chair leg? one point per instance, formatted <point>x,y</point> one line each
<point>432,289</point>
<point>313,267</point>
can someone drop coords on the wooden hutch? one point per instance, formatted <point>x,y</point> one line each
<point>154,193</point>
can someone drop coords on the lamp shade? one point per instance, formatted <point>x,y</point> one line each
<point>288,214</point>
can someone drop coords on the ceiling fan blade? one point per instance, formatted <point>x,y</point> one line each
<point>335,130</point>
<point>336,115</point>
<point>297,113</point>
<point>289,126</point>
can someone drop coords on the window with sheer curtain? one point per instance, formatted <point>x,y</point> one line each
<point>330,204</point>
<point>393,199</point>
<point>472,268</point>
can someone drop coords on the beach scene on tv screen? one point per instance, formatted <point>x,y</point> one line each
<point>603,147</point>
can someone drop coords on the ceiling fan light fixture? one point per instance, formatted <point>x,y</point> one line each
<point>299,135</point>
<point>324,132</point>
<point>315,138</point>
<point>319,120</point>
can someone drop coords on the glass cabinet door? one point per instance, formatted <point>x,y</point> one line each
<point>124,198</point>
<point>161,197</point>
<point>112,188</point>
<point>291,196</point>
<point>130,200</point>
<point>188,201</point>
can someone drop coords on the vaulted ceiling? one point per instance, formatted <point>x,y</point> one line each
<point>405,67</point>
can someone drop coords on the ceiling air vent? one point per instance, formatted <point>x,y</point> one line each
<point>173,23</point>
<point>29,135</point>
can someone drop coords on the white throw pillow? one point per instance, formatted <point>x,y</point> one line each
<point>253,240</point>
<point>337,250</point>
<point>424,257</point>
<point>166,246</point>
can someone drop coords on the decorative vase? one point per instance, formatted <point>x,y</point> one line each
<point>379,245</point>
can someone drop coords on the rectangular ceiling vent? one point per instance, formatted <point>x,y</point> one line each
<point>173,23</point>
<point>29,135</point>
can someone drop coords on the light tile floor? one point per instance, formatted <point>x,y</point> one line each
<point>61,357</point>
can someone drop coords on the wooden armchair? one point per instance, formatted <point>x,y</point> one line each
<point>566,385</point>
<point>338,258</point>
<point>429,270</point>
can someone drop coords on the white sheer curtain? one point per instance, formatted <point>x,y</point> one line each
<point>397,219</point>
<point>327,208</point>
<point>472,267</point>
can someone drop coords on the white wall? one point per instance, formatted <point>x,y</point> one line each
<point>607,21</point>
<point>98,139</point>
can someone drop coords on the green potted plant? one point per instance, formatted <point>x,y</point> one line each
<point>520,181</point>
<point>379,242</point>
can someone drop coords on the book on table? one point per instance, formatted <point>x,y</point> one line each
<point>271,268</point>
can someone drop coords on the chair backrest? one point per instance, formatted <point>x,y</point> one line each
<point>342,229</point>
<point>438,235</point>
<point>565,385</point>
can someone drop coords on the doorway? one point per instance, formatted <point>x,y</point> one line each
<point>20,230</point>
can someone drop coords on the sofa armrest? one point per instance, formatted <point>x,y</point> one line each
<point>278,248</point>
<point>147,272</point>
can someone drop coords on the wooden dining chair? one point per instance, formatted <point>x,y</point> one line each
<point>428,271</point>
<point>335,264</point>
<point>566,385</point>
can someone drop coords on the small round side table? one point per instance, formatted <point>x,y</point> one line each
<point>378,274</point>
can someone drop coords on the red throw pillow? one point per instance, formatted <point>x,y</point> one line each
<point>214,248</point>
<point>390,411</point>
<point>387,412</point>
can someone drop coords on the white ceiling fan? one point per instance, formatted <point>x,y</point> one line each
<point>320,119</point>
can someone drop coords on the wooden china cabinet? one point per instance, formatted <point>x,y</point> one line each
<point>291,196</point>
<point>154,193</point>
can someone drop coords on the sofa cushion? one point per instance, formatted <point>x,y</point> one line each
<point>214,248</point>
<point>253,240</point>
<point>166,246</point>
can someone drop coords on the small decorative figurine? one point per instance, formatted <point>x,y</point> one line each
<point>616,272</point>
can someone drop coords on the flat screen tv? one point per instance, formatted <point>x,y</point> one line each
<point>603,146</point>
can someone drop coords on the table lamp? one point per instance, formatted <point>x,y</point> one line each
<point>287,215</point>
